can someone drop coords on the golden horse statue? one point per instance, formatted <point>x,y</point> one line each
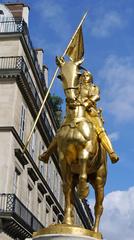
<point>81,142</point>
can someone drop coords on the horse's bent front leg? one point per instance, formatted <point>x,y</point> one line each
<point>44,157</point>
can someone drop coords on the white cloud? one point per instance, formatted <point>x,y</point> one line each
<point>117,221</point>
<point>118,218</point>
<point>114,136</point>
<point>118,78</point>
<point>106,23</point>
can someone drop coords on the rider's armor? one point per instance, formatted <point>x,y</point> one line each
<point>89,94</point>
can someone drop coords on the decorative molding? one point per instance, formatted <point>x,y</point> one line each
<point>32,174</point>
<point>21,157</point>
<point>41,188</point>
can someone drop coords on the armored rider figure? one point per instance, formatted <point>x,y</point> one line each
<point>89,95</point>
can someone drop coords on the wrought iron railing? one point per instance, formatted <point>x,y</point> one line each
<point>18,63</point>
<point>10,204</point>
<point>11,63</point>
<point>11,25</point>
<point>18,25</point>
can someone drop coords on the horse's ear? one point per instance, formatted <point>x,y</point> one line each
<point>59,76</point>
<point>80,62</point>
<point>82,68</point>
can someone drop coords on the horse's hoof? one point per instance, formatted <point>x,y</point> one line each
<point>94,229</point>
<point>44,157</point>
<point>114,157</point>
<point>68,221</point>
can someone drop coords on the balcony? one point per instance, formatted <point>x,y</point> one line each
<point>18,26</point>
<point>17,220</point>
<point>14,66</point>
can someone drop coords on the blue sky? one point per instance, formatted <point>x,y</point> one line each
<point>109,55</point>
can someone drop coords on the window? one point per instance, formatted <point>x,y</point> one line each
<point>56,186</point>
<point>47,220</point>
<point>32,145</point>
<point>54,218</point>
<point>29,196</point>
<point>22,122</point>
<point>42,166</point>
<point>39,209</point>
<point>33,141</point>
<point>1,12</point>
<point>16,182</point>
<point>50,173</point>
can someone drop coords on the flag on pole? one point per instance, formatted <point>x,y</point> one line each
<point>76,49</point>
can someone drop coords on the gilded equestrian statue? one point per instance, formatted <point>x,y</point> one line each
<point>81,142</point>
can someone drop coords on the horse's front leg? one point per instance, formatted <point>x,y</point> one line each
<point>44,157</point>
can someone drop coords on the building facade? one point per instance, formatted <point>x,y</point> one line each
<point>31,193</point>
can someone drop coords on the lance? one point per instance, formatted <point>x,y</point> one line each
<point>51,83</point>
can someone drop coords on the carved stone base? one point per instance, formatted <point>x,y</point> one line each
<point>63,237</point>
<point>63,231</point>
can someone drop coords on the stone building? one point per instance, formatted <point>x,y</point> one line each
<point>30,191</point>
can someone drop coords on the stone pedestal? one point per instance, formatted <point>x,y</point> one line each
<point>64,232</point>
<point>63,237</point>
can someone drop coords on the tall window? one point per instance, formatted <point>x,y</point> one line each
<point>33,141</point>
<point>41,164</point>
<point>39,209</point>
<point>47,220</point>
<point>29,193</point>
<point>50,175</point>
<point>16,181</point>
<point>22,122</point>
<point>32,145</point>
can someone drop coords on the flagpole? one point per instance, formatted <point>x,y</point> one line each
<point>52,81</point>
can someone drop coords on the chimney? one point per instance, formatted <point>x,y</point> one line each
<point>45,71</point>
<point>39,53</point>
<point>44,68</point>
<point>19,10</point>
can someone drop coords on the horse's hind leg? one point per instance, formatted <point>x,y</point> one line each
<point>98,183</point>
<point>69,202</point>
<point>83,188</point>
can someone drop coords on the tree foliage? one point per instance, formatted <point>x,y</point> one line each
<point>57,107</point>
